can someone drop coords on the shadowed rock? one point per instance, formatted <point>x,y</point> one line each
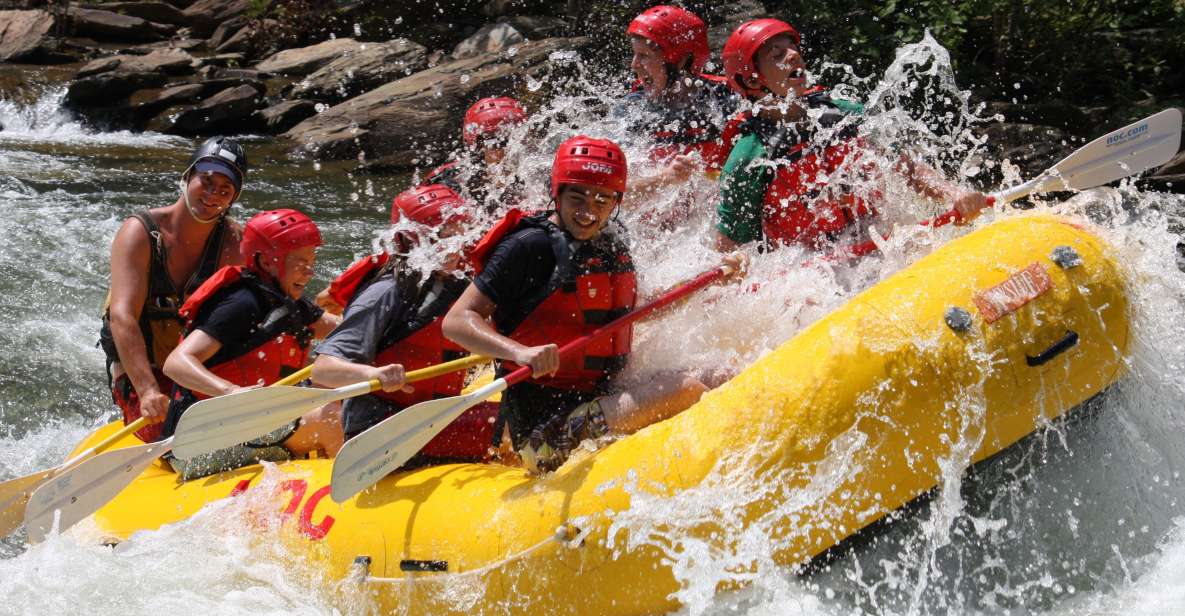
<point>281,117</point>
<point>169,61</point>
<point>108,26</point>
<point>229,110</point>
<point>491,38</point>
<point>159,12</point>
<point>108,88</point>
<point>205,15</point>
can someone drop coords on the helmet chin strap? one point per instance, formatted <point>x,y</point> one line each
<point>189,208</point>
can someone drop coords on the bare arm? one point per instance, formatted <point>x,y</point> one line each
<point>326,324</point>
<point>927,181</point>
<point>467,323</point>
<point>331,371</point>
<point>185,366</point>
<point>130,257</point>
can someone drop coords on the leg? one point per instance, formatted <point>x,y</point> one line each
<point>663,396</point>
<point>320,430</point>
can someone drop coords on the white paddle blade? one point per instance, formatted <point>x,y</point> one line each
<point>1133,149</point>
<point>226,421</point>
<point>14,493</point>
<point>386,446</point>
<point>84,489</point>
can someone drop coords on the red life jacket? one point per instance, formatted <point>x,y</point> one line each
<point>278,347</point>
<point>420,343</point>
<point>587,289</point>
<point>713,149</point>
<point>795,209</point>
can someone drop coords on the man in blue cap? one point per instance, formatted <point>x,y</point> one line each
<point>159,257</point>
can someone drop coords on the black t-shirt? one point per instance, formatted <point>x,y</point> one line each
<point>518,270</point>
<point>233,315</point>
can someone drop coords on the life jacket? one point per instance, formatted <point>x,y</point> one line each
<point>159,322</point>
<point>593,283</point>
<point>417,341</point>
<point>278,347</point>
<point>799,207</point>
<point>693,130</point>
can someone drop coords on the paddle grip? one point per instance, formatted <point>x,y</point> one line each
<point>658,303</point>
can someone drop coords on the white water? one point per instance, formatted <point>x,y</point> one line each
<point>1086,518</point>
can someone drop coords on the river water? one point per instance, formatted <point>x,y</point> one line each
<point>1085,517</point>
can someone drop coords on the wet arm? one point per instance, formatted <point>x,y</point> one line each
<point>130,256</point>
<point>186,365</point>
<point>468,324</point>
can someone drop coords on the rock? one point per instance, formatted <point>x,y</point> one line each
<point>1176,166</point>
<point>281,117</point>
<point>205,15</point>
<point>158,12</point>
<point>108,26</point>
<point>491,38</point>
<point>305,60</point>
<point>537,26</point>
<point>366,68</point>
<point>168,61</point>
<point>176,95</point>
<point>225,30</point>
<point>24,34</point>
<point>243,74</point>
<point>246,40</point>
<point>423,111</point>
<point>1032,147</point>
<point>226,60</point>
<point>230,109</point>
<point>184,44</point>
<point>108,88</point>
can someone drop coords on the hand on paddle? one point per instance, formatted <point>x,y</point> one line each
<point>391,377</point>
<point>543,359</point>
<point>735,266</point>
<point>154,405</point>
<point>969,203</point>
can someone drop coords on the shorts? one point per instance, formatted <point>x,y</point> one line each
<point>125,397</point>
<point>267,448</point>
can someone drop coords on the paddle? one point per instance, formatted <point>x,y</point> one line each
<point>85,488</point>
<point>1133,149</point>
<point>218,423</point>
<point>15,493</point>
<point>386,446</point>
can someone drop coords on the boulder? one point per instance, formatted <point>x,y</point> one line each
<point>24,34</point>
<point>205,15</point>
<point>281,117</point>
<point>159,12</point>
<point>363,69</point>
<point>182,43</point>
<point>168,61</point>
<point>537,26</point>
<point>305,60</point>
<point>246,40</point>
<point>491,38</point>
<point>225,30</point>
<point>108,26</point>
<point>230,109</point>
<point>106,89</point>
<point>176,95</point>
<point>243,74</point>
<point>423,111</point>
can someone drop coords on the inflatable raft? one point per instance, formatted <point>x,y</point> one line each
<point>945,363</point>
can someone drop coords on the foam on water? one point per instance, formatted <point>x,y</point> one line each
<point>1082,518</point>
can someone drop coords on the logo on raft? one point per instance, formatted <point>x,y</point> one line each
<point>1124,136</point>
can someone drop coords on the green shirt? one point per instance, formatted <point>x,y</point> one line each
<point>744,180</point>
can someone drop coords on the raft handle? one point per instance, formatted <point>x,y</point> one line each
<point>1069,341</point>
<point>435,566</point>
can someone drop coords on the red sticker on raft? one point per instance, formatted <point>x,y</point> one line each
<point>1008,296</point>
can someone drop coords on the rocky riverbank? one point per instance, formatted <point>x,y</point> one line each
<point>382,84</point>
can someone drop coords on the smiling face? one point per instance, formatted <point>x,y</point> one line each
<point>780,64</point>
<point>296,272</point>
<point>585,209</point>
<point>648,66</point>
<point>209,194</point>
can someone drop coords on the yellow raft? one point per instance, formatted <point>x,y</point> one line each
<point>945,363</point>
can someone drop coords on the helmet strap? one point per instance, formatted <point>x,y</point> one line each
<point>184,184</point>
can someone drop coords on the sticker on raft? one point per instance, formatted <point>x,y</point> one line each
<point>1008,296</point>
<point>298,488</point>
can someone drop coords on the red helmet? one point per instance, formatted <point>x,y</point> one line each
<point>584,160</point>
<point>488,115</point>
<point>678,32</point>
<point>743,44</point>
<point>428,205</point>
<point>272,235</point>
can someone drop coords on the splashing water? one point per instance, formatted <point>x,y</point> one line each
<point>1083,517</point>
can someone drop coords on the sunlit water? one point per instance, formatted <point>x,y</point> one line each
<point>1084,517</point>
